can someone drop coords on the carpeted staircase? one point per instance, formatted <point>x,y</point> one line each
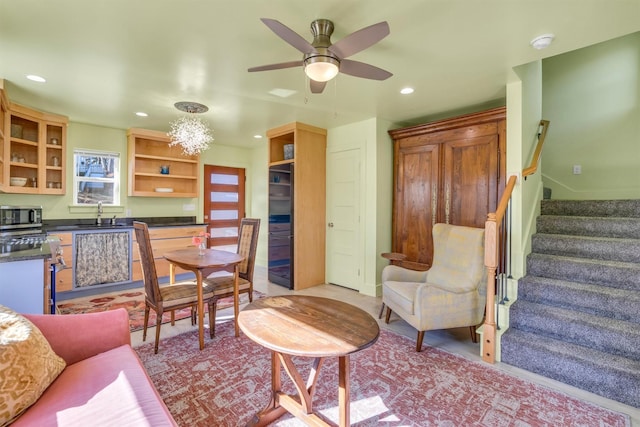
<point>577,316</point>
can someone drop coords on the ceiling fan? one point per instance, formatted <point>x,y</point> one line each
<point>322,59</point>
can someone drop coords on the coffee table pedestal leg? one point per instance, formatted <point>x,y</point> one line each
<point>301,407</point>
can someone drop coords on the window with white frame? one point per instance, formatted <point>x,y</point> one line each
<point>96,177</point>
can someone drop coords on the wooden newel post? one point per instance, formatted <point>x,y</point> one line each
<point>491,263</point>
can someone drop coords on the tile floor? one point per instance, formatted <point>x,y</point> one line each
<point>456,341</point>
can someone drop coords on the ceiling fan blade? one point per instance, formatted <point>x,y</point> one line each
<point>288,35</point>
<point>317,87</point>
<point>360,40</point>
<point>278,66</point>
<point>360,69</point>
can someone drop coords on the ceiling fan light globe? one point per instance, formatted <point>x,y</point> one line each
<point>321,69</point>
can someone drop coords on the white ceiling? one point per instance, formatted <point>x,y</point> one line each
<point>106,59</point>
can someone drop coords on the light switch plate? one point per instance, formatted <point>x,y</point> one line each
<point>577,169</point>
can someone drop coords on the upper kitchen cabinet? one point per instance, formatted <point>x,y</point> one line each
<point>32,150</point>
<point>158,170</point>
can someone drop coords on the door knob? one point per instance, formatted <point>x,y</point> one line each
<point>330,225</point>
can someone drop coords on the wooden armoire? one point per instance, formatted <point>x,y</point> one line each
<point>450,171</point>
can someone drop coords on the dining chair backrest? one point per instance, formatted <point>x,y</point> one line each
<point>247,246</point>
<point>148,265</point>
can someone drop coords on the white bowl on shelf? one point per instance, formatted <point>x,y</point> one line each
<point>17,181</point>
<point>164,190</point>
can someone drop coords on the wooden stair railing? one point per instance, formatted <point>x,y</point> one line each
<point>542,135</point>
<point>494,232</point>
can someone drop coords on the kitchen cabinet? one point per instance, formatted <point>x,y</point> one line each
<point>165,239</point>
<point>158,170</point>
<point>450,171</point>
<point>33,150</point>
<point>114,265</point>
<point>64,275</point>
<point>297,157</point>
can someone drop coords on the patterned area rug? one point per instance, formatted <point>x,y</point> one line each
<point>228,382</point>
<point>133,301</point>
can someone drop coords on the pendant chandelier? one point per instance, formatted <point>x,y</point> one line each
<point>190,132</point>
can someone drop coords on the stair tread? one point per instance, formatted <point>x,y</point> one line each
<point>625,208</point>
<point>587,247</point>
<point>574,351</point>
<point>588,238</point>
<point>605,290</point>
<point>614,377</point>
<point>576,316</point>
<point>631,265</point>
<point>623,304</point>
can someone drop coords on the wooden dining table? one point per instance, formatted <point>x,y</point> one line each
<point>203,265</point>
<point>308,326</point>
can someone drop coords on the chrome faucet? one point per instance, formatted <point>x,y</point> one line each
<point>99,219</point>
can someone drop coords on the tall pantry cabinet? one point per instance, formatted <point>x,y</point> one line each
<point>450,171</point>
<point>297,195</point>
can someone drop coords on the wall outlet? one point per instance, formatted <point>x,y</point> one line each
<point>128,213</point>
<point>189,207</point>
<point>577,169</point>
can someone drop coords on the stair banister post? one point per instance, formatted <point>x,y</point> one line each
<point>491,263</point>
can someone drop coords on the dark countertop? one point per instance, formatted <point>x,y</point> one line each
<point>43,252</point>
<point>64,225</point>
<point>89,224</point>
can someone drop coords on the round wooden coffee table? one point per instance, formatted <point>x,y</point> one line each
<point>296,325</point>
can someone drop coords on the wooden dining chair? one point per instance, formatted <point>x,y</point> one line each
<point>222,286</point>
<point>164,298</point>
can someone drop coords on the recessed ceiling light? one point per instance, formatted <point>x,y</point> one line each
<point>282,93</point>
<point>406,90</point>
<point>542,41</point>
<point>257,136</point>
<point>35,78</point>
<point>141,114</point>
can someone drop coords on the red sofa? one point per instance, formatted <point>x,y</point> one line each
<point>104,382</point>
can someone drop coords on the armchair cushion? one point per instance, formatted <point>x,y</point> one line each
<point>401,294</point>
<point>28,365</point>
<point>394,273</point>
<point>458,258</point>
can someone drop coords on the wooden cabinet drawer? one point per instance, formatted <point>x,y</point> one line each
<point>66,239</point>
<point>64,280</point>
<point>173,232</point>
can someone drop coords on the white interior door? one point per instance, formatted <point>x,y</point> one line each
<point>343,219</point>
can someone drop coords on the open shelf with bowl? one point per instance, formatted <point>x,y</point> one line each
<point>157,170</point>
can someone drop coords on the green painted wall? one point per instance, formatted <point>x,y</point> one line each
<point>592,96</point>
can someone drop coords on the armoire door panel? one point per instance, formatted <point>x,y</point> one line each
<point>470,176</point>
<point>415,198</point>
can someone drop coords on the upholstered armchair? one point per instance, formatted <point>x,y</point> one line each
<point>450,294</point>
